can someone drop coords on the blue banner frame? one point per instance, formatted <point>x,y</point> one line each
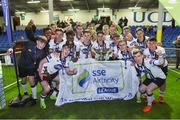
<point>7,20</point>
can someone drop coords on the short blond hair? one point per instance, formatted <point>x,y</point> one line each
<point>136,51</point>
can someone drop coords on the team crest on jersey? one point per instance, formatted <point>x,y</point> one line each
<point>29,50</point>
<point>85,51</point>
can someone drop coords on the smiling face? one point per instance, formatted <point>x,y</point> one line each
<point>65,51</point>
<point>122,45</point>
<point>138,57</point>
<point>40,44</point>
<point>87,37</point>
<point>100,38</point>
<point>79,30</point>
<point>59,36</point>
<point>112,30</point>
<point>151,45</point>
<point>106,29</point>
<point>70,39</point>
<point>140,35</point>
<point>126,31</point>
<point>48,33</point>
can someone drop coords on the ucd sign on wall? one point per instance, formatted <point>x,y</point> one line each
<point>152,17</point>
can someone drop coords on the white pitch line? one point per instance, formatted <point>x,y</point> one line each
<point>10,85</point>
<point>174,71</point>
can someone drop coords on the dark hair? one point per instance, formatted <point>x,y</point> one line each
<point>65,45</point>
<point>70,32</point>
<point>46,29</point>
<point>78,25</point>
<point>152,39</point>
<point>115,35</point>
<point>100,32</point>
<point>52,24</point>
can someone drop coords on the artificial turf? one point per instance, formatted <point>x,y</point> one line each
<point>115,109</point>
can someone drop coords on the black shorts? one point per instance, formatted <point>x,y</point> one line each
<point>24,72</point>
<point>49,77</point>
<point>165,70</point>
<point>157,81</point>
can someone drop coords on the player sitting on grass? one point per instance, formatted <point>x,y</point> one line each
<point>155,76</point>
<point>49,68</point>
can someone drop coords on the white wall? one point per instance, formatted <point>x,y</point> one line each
<point>84,16</point>
<point>38,18</point>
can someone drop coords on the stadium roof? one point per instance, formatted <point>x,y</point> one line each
<point>64,5</point>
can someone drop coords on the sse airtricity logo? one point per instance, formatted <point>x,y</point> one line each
<point>83,78</point>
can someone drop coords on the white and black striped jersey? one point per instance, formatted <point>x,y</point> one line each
<point>56,46</point>
<point>124,55</point>
<point>132,43</point>
<point>149,69</point>
<point>114,47</point>
<point>84,50</point>
<point>54,64</point>
<point>152,55</point>
<point>142,45</point>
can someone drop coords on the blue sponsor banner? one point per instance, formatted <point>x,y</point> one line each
<point>7,20</point>
<point>107,90</point>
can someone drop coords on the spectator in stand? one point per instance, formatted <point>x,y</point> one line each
<point>177,45</point>
<point>73,24</point>
<point>125,21</point>
<point>99,25</point>
<point>122,22</point>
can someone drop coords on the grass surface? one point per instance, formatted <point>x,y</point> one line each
<point>99,109</point>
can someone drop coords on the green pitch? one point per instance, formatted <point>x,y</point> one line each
<point>115,109</point>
